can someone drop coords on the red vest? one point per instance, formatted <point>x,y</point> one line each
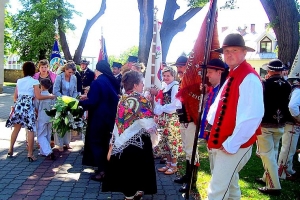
<point>225,118</point>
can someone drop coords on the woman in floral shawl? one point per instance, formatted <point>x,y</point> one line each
<point>131,142</point>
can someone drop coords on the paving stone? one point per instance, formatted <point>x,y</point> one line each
<point>63,194</point>
<point>45,197</point>
<point>65,189</point>
<point>52,188</point>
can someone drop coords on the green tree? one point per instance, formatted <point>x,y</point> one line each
<point>122,58</point>
<point>7,34</point>
<point>34,30</point>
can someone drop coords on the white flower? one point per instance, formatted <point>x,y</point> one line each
<point>57,115</point>
<point>66,121</point>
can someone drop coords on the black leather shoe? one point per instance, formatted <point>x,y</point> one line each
<point>98,178</point>
<point>275,192</point>
<point>181,180</point>
<point>185,187</point>
<point>51,156</point>
<point>260,181</point>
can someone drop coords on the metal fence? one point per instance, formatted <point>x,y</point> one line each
<point>13,66</point>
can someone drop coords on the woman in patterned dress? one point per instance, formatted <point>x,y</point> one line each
<point>23,114</point>
<point>131,142</point>
<point>166,105</point>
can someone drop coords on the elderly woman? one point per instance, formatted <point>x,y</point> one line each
<point>23,114</point>
<point>65,85</point>
<point>131,142</point>
<point>101,103</point>
<point>45,73</point>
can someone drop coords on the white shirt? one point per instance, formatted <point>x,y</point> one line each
<point>295,102</point>
<point>250,110</point>
<point>117,75</point>
<point>25,85</point>
<point>175,102</point>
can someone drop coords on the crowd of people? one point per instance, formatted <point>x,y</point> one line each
<point>127,122</point>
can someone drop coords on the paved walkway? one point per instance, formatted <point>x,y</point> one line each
<point>64,178</point>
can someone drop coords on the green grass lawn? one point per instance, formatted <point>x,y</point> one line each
<point>247,182</point>
<point>10,84</point>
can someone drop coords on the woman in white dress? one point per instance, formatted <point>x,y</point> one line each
<point>23,114</point>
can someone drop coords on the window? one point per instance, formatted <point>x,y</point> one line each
<point>265,45</point>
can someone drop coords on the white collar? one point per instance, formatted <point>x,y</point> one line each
<point>166,87</point>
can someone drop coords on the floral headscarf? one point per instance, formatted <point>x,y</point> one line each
<point>131,108</point>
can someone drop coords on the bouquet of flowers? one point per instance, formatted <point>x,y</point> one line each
<point>66,115</point>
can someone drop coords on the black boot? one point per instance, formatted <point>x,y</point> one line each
<point>184,178</point>
<point>185,186</point>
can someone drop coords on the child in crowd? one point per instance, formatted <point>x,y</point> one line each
<point>44,126</point>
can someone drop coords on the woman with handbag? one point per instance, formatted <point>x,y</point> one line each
<point>65,85</point>
<point>131,141</point>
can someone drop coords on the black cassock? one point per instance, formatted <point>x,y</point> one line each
<point>102,107</point>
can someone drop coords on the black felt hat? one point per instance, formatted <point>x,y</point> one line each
<point>181,61</point>
<point>116,64</point>
<point>274,65</point>
<point>132,59</point>
<point>234,39</point>
<point>215,64</point>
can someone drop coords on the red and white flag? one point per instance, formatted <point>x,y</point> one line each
<point>153,75</point>
<point>103,52</point>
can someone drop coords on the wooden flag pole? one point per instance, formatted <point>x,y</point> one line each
<point>209,36</point>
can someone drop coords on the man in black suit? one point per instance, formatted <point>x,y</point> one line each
<point>116,70</point>
<point>87,75</point>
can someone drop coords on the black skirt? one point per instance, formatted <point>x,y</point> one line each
<point>132,170</point>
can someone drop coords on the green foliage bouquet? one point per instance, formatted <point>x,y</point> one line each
<point>66,115</point>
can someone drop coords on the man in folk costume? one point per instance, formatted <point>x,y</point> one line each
<point>216,70</point>
<point>187,131</point>
<point>87,75</point>
<point>234,117</point>
<point>276,99</point>
<point>291,134</point>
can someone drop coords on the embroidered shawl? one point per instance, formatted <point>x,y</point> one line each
<point>134,117</point>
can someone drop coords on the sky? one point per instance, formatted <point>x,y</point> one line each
<point>120,24</point>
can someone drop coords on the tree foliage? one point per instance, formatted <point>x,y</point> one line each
<point>132,51</point>
<point>33,27</point>
<point>8,41</point>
